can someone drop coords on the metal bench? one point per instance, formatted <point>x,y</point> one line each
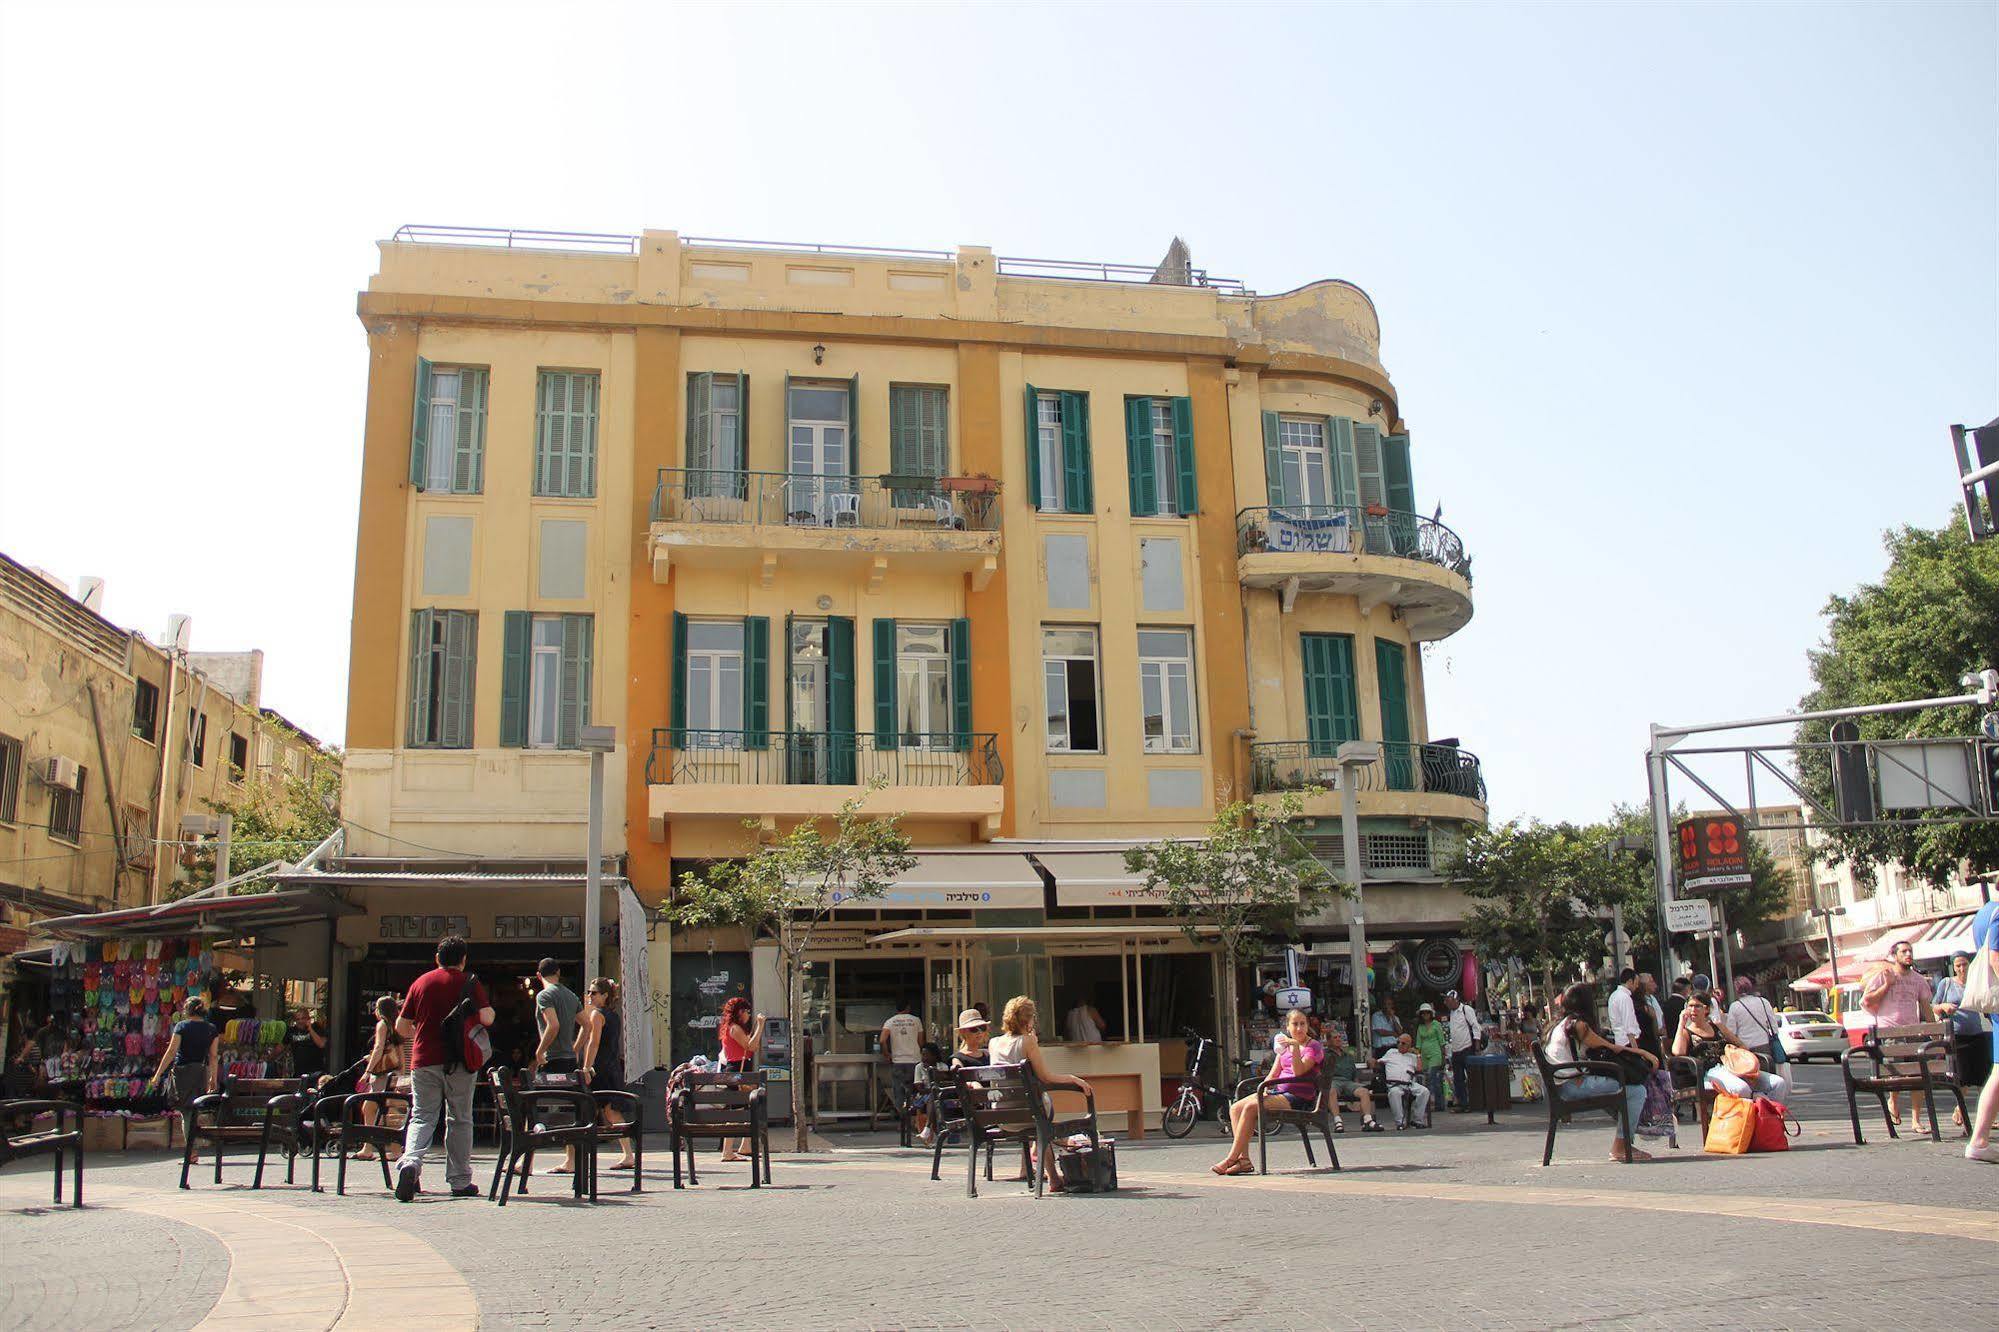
<point>65,1137</point>
<point>1561,1109</point>
<point>266,1111</point>
<point>1911,1059</point>
<point>718,1106</point>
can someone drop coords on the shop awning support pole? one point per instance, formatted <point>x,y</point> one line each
<point>599,740</point>
<point>1353,756</point>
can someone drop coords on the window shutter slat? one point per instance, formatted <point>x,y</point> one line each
<point>1329,691</point>
<point>1138,456</point>
<point>514,680</point>
<point>1076,452</point>
<point>419,677</point>
<point>699,455</point>
<point>1339,450</point>
<point>885,684</point>
<point>573,709</point>
<point>1273,464</point>
<point>468,450</point>
<point>1392,679</point>
<point>840,715</point>
<point>420,425</point>
<point>854,426</point>
<point>676,709</point>
<point>961,685</point>
<point>460,647</point>
<point>741,462</point>
<point>1183,454</point>
<point>1032,404</point>
<point>756,681</point>
<point>1400,485</point>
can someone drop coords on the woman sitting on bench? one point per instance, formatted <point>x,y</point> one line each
<point>1704,1036</point>
<point>1292,1084</point>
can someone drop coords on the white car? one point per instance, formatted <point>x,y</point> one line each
<point>1809,1033</point>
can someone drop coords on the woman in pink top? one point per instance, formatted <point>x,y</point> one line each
<point>741,1039</point>
<point>1292,1084</point>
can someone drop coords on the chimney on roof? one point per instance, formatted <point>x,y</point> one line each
<point>1177,268</point>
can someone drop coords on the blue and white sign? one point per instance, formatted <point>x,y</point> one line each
<point>1292,532</point>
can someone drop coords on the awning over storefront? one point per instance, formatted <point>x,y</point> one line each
<point>236,916</point>
<point>1941,938</point>
<point>1854,964</point>
<point>1100,932</point>
<point>958,881</point>
<point>1096,878</point>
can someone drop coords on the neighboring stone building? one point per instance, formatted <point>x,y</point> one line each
<point>1062,556</point>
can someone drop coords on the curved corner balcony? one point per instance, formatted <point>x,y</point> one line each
<point>1380,556</point>
<point>869,525</point>
<point>1439,781</point>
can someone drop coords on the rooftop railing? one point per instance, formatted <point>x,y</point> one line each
<point>1080,270</point>
<point>512,238</point>
<point>820,758</point>
<point>888,503</point>
<point>1350,529</point>
<point>1292,765</point>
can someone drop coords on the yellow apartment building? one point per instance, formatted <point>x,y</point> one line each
<point>1048,558</point>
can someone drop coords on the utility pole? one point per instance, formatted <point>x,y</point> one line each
<point>1353,756</point>
<point>598,741</point>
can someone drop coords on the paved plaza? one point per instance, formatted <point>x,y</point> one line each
<point>1459,1227</point>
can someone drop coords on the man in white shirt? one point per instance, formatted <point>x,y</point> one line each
<point>1467,1035</point>
<point>1624,1008</point>
<point>1084,1025</point>
<point>902,1044</point>
<point>1401,1065</point>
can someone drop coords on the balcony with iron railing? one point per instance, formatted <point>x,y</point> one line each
<point>1376,554</point>
<point>724,518</point>
<point>1411,778</point>
<point>807,774</point>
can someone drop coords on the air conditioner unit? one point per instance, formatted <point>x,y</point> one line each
<point>62,773</point>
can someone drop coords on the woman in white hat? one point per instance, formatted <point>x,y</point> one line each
<point>972,1033</point>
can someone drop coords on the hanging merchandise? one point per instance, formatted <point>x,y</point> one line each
<point>1438,965</point>
<point>1468,981</point>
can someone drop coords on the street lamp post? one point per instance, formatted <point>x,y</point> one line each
<point>597,741</point>
<point>1832,948</point>
<point>1352,756</point>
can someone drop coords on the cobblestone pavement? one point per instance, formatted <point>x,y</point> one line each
<point>1459,1227</point>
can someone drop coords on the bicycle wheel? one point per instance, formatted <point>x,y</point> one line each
<point>1179,1119</point>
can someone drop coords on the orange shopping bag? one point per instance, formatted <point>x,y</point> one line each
<point>1732,1125</point>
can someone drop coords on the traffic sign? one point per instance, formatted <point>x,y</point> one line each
<point>1689,915</point>
<point>1714,852</point>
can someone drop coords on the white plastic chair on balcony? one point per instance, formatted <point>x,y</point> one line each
<point>843,509</point>
<point>941,506</point>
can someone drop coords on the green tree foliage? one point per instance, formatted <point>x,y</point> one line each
<point>787,888</point>
<point>271,820</point>
<point>1249,879</point>
<point>1932,617</point>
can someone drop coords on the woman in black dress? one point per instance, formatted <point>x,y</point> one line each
<point>600,1053</point>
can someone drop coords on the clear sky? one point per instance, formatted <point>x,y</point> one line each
<point>1679,300</point>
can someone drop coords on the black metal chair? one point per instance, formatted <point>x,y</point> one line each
<point>947,1112</point>
<point>1051,1131</point>
<point>519,1136</point>
<point>1562,1109</point>
<point>336,1123</point>
<point>719,1106</point>
<point>266,1111</point>
<point>1912,1059</point>
<point>65,1137</point>
<point>995,1102</point>
<point>1325,1104</point>
<point>632,1107</point>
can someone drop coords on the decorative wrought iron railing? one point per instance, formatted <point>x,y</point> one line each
<point>796,499</point>
<point>1350,529</point>
<point>820,758</point>
<point>1292,765</point>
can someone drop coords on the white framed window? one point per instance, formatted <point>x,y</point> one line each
<point>923,684</point>
<point>714,681</point>
<point>810,699</point>
<point>1166,690</point>
<point>1048,428</point>
<point>1302,442</point>
<point>544,681</point>
<point>1165,458</point>
<point>725,405</point>
<point>439,460</point>
<point>1069,674</point>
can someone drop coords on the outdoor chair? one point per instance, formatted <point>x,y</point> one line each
<point>1911,1059</point>
<point>719,1106</point>
<point>65,1136</point>
<point>336,1123</point>
<point>1050,1131</point>
<point>1561,1110</point>
<point>269,1112</point>
<point>519,1136</point>
<point>947,1112</point>
<point>1320,1116</point>
<point>632,1107</point>
<point>995,1103</point>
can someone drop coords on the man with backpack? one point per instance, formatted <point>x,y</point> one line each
<point>444,1017</point>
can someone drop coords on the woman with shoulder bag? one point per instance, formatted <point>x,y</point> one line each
<point>1572,1039</point>
<point>1732,1067</point>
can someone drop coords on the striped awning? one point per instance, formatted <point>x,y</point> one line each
<point>1855,963</point>
<point>1943,937</point>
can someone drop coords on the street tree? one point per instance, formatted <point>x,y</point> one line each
<point>1631,885</point>
<point>1536,889</point>
<point>786,888</point>
<point>282,821</point>
<point>1250,878</point>
<point>1931,618</point>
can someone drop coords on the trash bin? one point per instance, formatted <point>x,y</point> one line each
<point>1489,1076</point>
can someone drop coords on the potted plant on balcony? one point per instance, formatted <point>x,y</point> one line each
<point>979,483</point>
<point>1377,510</point>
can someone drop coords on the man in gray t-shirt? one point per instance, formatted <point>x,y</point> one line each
<point>555,1010</point>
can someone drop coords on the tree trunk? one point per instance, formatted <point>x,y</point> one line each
<point>801,1085</point>
<point>1230,1021</point>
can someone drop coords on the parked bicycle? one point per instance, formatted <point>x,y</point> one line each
<point>1195,1099</point>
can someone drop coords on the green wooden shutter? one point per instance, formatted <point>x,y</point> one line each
<point>1183,455</point>
<point>756,682</point>
<point>1138,456</point>
<point>1400,484</point>
<point>516,635</point>
<point>1339,456</point>
<point>420,425</point>
<point>676,709</point>
<point>854,426</point>
<point>961,685</point>
<point>1392,678</point>
<point>1032,405</point>
<point>549,434</point>
<point>1273,464</point>
<point>1331,703</point>
<point>420,630</point>
<point>1373,491</point>
<point>742,459</point>
<point>902,446</point>
<point>573,691</point>
<point>1076,453</point>
<point>461,653</point>
<point>699,454</point>
<point>468,459</point>
<point>885,681</point>
<point>840,699</point>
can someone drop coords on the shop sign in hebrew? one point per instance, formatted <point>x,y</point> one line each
<point>537,927</point>
<point>422,927</point>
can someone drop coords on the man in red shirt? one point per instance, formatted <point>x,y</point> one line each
<point>440,1084</point>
